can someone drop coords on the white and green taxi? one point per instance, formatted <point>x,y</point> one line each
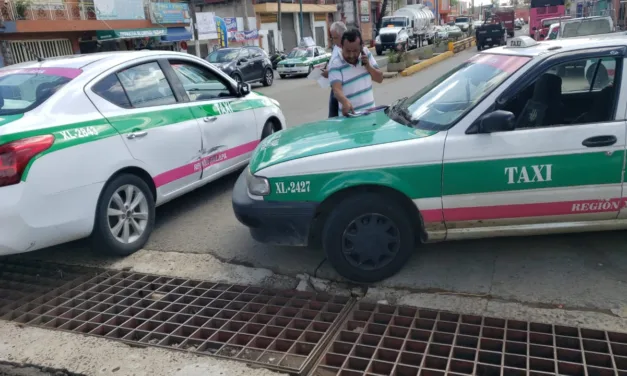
<point>90,144</point>
<point>302,60</point>
<point>518,140</point>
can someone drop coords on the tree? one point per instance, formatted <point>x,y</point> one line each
<point>454,3</point>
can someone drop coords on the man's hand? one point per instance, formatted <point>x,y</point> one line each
<point>325,73</point>
<point>364,60</point>
<point>347,108</point>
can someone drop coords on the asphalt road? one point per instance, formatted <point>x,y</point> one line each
<point>577,270</point>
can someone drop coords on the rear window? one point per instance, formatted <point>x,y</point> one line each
<point>22,90</point>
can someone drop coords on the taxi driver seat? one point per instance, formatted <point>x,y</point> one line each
<point>545,106</point>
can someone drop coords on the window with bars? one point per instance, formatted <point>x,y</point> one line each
<point>20,51</point>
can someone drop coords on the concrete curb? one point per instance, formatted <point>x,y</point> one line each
<point>425,64</point>
<point>390,74</point>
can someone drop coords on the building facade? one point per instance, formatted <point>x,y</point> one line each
<point>49,28</point>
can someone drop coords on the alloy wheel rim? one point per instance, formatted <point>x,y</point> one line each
<point>127,214</point>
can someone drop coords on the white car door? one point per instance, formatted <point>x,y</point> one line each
<point>227,122</point>
<point>563,161</point>
<point>157,127</point>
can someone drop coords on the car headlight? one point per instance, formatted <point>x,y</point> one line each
<point>257,185</point>
<point>401,39</point>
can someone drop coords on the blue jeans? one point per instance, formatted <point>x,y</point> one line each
<point>334,106</point>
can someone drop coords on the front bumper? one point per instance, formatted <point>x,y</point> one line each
<point>273,222</point>
<point>292,70</point>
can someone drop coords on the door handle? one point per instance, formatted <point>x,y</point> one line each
<point>134,135</point>
<point>598,141</point>
<point>210,119</point>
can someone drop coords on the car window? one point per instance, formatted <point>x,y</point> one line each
<point>200,83</point>
<point>24,89</point>
<point>110,88</point>
<point>575,92</point>
<point>439,105</point>
<point>223,55</point>
<point>255,52</point>
<point>243,54</point>
<point>146,85</point>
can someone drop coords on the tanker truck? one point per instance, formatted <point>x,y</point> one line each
<point>405,29</point>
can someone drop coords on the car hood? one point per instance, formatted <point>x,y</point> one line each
<point>461,24</point>
<point>390,30</point>
<point>294,60</point>
<point>329,136</point>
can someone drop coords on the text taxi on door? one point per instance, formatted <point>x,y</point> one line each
<point>523,139</point>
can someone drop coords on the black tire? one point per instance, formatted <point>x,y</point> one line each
<point>102,236</point>
<point>282,75</point>
<point>237,77</point>
<point>268,129</point>
<point>311,68</point>
<point>379,51</point>
<point>342,219</point>
<point>479,48</point>
<point>268,77</point>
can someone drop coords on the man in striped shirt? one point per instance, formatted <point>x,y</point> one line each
<point>351,74</point>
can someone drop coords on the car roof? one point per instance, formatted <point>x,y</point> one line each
<point>551,47</point>
<point>91,61</point>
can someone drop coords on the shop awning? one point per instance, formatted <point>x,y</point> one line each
<point>177,34</point>
<point>130,33</point>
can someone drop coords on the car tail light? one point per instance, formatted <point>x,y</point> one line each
<point>15,156</point>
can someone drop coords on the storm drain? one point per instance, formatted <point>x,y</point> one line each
<point>282,330</point>
<point>403,341</point>
<point>23,281</point>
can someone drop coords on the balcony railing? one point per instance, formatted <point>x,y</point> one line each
<point>321,2</point>
<point>47,10</point>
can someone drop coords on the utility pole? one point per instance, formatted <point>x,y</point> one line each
<point>300,15</point>
<point>246,26</point>
<point>278,23</point>
<point>192,12</point>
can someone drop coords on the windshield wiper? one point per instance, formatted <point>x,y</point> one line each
<point>398,109</point>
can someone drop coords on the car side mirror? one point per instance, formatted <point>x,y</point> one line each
<point>243,89</point>
<point>243,60</point>
<point>496,121</point>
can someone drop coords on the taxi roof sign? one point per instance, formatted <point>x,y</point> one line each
<point>522,42</point>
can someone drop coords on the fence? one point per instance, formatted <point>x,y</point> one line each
<point>19,51</point>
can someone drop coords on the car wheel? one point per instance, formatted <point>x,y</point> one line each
<point>368,237</point>
<point>282,75</point>
<point>268,129</point>
<point>268,77</point>
<point>479,48</point>
<point>311,68</point>
<point>125,215</point>
<point>379,51</point>
<point>237,78</point>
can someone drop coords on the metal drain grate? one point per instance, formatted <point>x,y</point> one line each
<point>404,341</point>
<point>283,330</point>
<point>23,281</point>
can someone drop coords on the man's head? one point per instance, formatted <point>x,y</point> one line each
<point>337,30</point>
<point>352,45</point>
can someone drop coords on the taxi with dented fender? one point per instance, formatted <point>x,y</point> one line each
<point>91,144</point>
<point>518,140</point>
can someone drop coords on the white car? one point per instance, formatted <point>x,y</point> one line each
<point>91,144</point>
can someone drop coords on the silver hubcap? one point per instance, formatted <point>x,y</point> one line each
<point>269,76</point>
<point>127,214</point>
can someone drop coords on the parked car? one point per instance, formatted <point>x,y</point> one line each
<point>518,24</point>
<point>441,32</point>
<point>244,64</point>
<point>454,32</point>
<point>504,151</point>
<point>91,144</point>
<point>302,60</point>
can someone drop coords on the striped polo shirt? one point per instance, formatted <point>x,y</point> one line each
<point>356,81</point>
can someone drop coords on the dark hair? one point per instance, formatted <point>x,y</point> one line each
<point>351,36</point>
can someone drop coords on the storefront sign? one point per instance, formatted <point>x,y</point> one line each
<point>206,24</point>
<point>222,33</point>
<point>130,33</point>
<point>169,13</point>
<point>241,36</point>
<point>231,23</point>
<point>365,18</point>
<point>119,10</point>
<point>364,9</point>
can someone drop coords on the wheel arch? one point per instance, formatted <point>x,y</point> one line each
<point>139,172</point>
<point>326,206</point>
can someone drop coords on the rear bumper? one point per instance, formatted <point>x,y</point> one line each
<point>280,223</point>
<point>292,70</point>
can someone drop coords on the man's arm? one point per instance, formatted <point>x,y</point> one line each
<point>373,68</point>
<point>335,78</point>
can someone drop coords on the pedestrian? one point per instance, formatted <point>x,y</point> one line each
<point>337,30</point>
<point>351,74</point>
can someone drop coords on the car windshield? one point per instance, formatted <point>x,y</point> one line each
<point>439,105</point>
<point>223,55</point>
<point>393,22</point>
<point>301,52</point>
<point>550,21</point>
<point>461,19</point>
<point>21,90</point>
<point>585,27</point>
